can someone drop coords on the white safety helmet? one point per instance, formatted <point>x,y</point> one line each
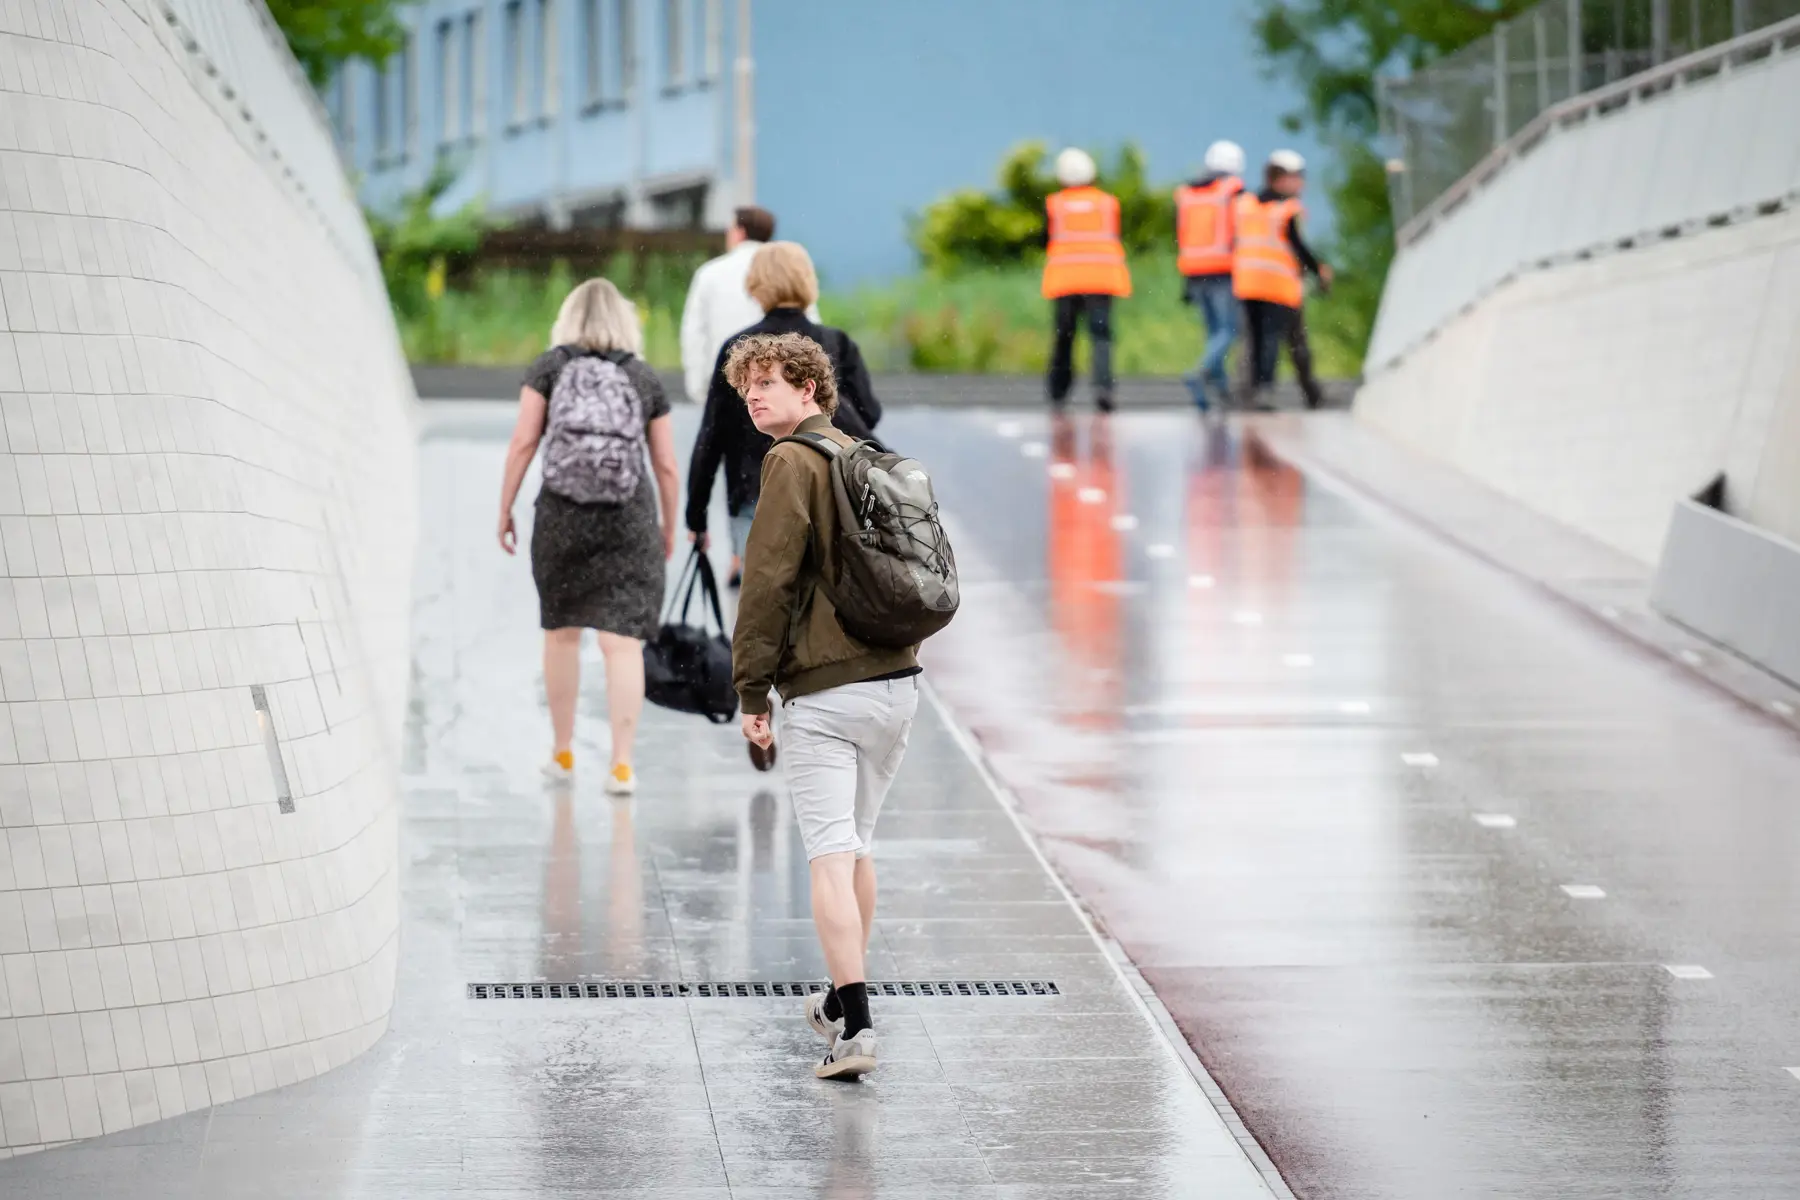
<point>1287,160</point>
<point>1075,168</point>
<point>1227,158</point>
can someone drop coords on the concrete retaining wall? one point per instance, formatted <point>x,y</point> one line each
<point>1613,318</point>
<point>206,495</point>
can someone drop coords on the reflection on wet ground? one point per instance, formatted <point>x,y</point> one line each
<point>701,877</point>
<point>1346,796</point>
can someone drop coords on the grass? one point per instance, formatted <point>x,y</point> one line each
<point>982,322</point>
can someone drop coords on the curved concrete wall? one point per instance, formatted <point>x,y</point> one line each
<point>1614,319</point>
<point>206,496</point>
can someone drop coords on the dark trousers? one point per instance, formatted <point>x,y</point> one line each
<point>1069,310</point>
<point>1269,325</point>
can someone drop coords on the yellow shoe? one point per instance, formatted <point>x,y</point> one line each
<point>561,767</point>
<point>620,781</point>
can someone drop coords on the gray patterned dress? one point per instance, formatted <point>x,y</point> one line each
<point>599,566</point>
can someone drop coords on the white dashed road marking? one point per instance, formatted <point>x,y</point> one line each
<point>1246,617</point>
<point>1296,660</point>
<point>1422,759</point>
<point>1687,971</point>
<point>1354,707</point>
<point>1200,581</point>
<point>1160,550</point>
<point>1033,449</point>
<point>1009,429</point>
<point>1496,820</point>
<point>1062,470</point>
<point>1091,495</point>
<point>1584,891</point>
<point>1124,522</point>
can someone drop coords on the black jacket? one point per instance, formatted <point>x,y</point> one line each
<point>1303,252</point>
<point>727,435</point>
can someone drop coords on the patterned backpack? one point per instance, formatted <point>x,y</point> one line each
<point>594,449</point>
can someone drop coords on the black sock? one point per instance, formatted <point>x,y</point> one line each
<point>854,997</point>
<point>833,1010</point>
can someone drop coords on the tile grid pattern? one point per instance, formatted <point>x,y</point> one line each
<point>205,484</point>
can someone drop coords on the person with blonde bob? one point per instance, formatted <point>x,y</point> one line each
<point>597,545</point>
<point>783,281</point>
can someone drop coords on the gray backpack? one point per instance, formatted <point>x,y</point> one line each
<point>594,447</point>
<point>896,581</point>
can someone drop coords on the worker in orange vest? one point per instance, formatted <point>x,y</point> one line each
<point>1268,258</point>
<point>1084,268</point>
<point>1203,236</point>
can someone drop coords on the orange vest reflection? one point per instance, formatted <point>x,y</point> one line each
<point>1086,569</point>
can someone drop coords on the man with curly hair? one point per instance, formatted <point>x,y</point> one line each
<point>846,707</point>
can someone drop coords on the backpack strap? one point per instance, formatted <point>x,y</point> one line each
<point>816,440</point>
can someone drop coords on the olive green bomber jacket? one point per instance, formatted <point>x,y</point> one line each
<point>787,636</point>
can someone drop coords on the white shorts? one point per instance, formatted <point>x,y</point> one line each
<point>842,748</point>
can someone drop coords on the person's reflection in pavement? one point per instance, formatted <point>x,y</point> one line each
<point>1086,568</point>
<point>560,951</point>
<point>624,896</point>
<point>855,1140</point>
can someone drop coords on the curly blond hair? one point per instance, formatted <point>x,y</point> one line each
<point>797,357</point>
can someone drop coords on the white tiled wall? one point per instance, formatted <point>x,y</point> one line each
<point>205,484</point>
<point>1601,392</point>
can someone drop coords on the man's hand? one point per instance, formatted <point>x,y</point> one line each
<point>702,540</point>
<point>509,534</point>
<point>756,729</point>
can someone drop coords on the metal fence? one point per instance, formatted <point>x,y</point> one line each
<point>1442,121</point>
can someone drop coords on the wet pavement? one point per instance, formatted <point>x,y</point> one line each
<point>701,877</point>
<point>1454,893</point>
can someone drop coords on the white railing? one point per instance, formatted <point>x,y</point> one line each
<point>1702,140</point>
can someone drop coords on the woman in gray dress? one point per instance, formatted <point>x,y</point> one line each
<point>597,546</point>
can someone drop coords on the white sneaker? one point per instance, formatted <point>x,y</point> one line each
<point>849,1057</point>
<point>560,768</point>
<point>822,1025</point>
<point>620,781</point>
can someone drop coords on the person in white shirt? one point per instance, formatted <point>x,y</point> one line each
<point>718,304</point>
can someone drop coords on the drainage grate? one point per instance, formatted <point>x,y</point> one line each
<point>712,990</point>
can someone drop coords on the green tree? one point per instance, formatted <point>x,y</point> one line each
<point>323,34</point>
<point>1333,49</point>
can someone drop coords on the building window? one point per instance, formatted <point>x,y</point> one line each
<point>549,58</point>
<point>626,30</point>
<point>474,66</point>
<point>346,110</point>
<point>518,82</point>
<point>449,84</point>
<point>406,73</point>
<point>674,42</point>
<point>384,116</point>
<point>713,39</point>
<point>593,54</point>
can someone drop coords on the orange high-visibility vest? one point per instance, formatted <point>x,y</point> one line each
<point>1085,256</point>
<point>1203,226</point>
<point>1263,265</point>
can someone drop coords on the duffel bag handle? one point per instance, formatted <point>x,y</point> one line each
<point>704,580</point>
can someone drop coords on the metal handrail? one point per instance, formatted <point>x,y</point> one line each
<point>1642,86</point>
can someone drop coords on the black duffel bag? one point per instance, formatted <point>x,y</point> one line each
<point>685,667</point>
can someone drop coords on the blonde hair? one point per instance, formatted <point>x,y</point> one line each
<point>798,359</point>
<point>597,316</point>
<point>782,276</point>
